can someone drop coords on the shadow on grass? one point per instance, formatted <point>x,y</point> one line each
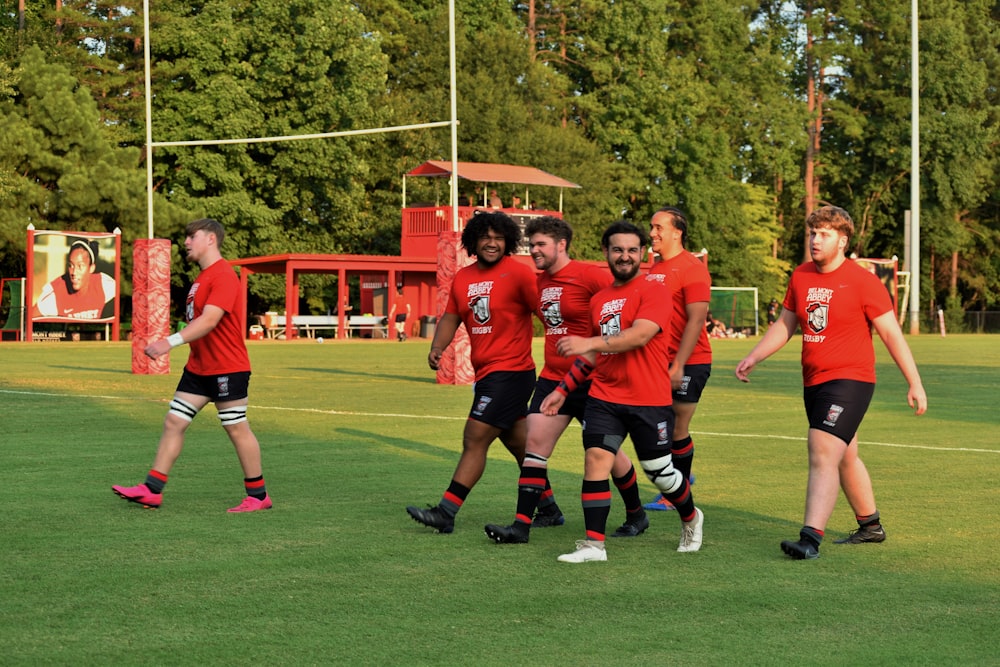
<point>94,369</point>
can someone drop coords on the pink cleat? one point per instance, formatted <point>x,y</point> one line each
<point>139,494</point>
<point>251,504</point>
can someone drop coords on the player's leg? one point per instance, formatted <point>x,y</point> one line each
<point>192,394</point>
<point>857,486</point>
<point>498,410</point>
<point>627,482</point>
<point>233,416</point>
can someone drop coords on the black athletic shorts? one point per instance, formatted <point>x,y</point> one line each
<point>501,398</point>
<point>838,406</point>
<point>574,404</point>
<point>651,427</point>
<point>218,388</point>
<point>695,379</point>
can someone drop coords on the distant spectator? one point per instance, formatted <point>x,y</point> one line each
<point>495,201</point>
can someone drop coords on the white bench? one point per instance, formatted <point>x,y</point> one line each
<point>310,324</point>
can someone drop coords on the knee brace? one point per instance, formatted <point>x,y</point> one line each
<point>662,474</point>
<point>535,461</point>
<point>233,415</point>
<point>182,409</point>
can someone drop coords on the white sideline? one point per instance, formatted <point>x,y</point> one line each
<point>352,413</point>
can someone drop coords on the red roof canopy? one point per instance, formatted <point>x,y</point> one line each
<point>492,173</point>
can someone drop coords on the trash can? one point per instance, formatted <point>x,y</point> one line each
<point>427,324</point>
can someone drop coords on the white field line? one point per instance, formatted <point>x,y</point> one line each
<point>353,413</point>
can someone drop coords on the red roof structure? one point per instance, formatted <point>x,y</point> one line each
<point>492,173</point>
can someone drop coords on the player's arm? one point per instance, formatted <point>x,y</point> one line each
<point>892,336</point>
<point>197,328</point>
<point>777,335</point>
<point>444,332</point>
<point>578,373</point>
<point>46,304</point>
<point>636,336</point>
<point>696,314</point>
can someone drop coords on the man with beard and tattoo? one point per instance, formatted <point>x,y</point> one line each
<point>494,298</point>
<point>627,362</point>
<point>565,287</point>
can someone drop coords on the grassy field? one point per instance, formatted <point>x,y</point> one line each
<point>337,573</point>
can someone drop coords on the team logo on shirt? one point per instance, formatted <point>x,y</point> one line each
<point>552,306</point>
<point>818,315</point>
<point>833,414</point>
<point>479,300</point>
<point>189,304</point>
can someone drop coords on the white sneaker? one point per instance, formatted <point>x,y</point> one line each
<point>691,533</point>
<point>586,550</point>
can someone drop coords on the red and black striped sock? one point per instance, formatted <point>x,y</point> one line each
<point>255,487</point>
<point>596,499</point>
<point>155,481</point>
<point>454,498</point>
<point>628,488</point>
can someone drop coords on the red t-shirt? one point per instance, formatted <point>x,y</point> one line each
<point>636,377</point>
<point>496,304</point>
<point>222,350</point>
<point>564,308</point>
<point>689,282</point>
<point>835,311</point>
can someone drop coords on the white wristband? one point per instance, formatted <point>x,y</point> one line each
<point>175,339</point>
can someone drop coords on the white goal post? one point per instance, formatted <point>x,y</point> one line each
<point>738,308</point>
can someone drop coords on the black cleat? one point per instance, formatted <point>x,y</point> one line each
<point>872,533</point>
<point>514,534</point>
<point>433,517</point>
<point>550,516</point>
<point>633,526</point>
<point>800,550</point>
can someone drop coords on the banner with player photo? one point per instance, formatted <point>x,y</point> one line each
<point>73,277</point>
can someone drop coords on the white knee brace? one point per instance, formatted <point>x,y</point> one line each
<point>662,474</point>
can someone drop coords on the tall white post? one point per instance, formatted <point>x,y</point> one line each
<point>914,172</point>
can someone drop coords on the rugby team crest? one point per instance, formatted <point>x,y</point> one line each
<point>818,316</point>
<point>480,306</point>
<point>552,312</point>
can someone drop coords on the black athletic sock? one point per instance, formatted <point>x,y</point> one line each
<point>870,520</point>
<point>812,535</point>
<point>155,481</point>
<point>628,488</point>
<point>255,487</point>
<point>596,499</point>
<point>454,498</point>
<point>682,456</point>
<point>530,486</point>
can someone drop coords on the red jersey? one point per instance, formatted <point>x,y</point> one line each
<point>223,349</point>
<point>496,304</point>
<point>564,308</point>
<point>689,282</point>
<point>835,311</point>
<point>635,377</point>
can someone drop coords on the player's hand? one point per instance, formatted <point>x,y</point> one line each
<point>743,369</point>
<point>571,346</point>
<point>551,404</point>
<point>917,399</point>
<point>676,376</point>
<point>157,349</point>
<point>434,358</point>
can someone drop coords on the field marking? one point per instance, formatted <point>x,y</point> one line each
<point>352,413</point>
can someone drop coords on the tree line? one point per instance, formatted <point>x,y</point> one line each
<point>747,114</point>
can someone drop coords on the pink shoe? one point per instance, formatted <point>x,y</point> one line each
<point>251,504</point>
<point>139,494</point>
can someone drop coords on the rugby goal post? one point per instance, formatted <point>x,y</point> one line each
<point>738,308</point>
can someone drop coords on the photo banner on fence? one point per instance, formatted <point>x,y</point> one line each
<point>73,276</point>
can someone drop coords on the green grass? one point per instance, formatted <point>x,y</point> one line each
<point>337,573</point>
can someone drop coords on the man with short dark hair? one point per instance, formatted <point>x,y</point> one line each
<point>626,362</point>
<point>494,298</point>
<point>217,371</point>
<point>565,287</point>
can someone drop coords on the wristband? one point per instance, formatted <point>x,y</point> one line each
<point>175,339</point>
<point>576,376</point>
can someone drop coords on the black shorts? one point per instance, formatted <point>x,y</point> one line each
<point>501,398</point>
<point>695,379</point>
<point>651,427</point>
<point>574,404</point>
<point>218,388</point>
<point>401,317</point>
<point>838,406</point>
